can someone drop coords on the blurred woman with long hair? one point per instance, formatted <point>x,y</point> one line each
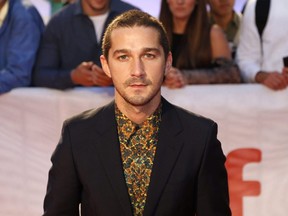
<point>201,54</point>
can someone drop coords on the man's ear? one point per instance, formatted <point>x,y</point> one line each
<point>105,65</point>
<point>168,63</point>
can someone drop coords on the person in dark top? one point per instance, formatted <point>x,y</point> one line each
<point>71,46</point>
<point>201,54</point>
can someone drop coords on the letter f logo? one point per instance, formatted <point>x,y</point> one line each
<point>238,188</point>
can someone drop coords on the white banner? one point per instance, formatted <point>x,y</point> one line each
<point>253,129</point>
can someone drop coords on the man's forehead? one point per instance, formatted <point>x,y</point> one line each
<point>135,39</point>
<point>130,34</point>
<point>134,28</point>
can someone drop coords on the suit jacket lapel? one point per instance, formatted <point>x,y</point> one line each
<point>168,148</point>
<point>109,151</point>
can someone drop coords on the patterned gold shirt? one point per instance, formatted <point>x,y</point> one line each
<point>138,146</point>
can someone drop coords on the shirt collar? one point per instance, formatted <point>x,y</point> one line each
<point>4,12</point>
<point>125,124</point>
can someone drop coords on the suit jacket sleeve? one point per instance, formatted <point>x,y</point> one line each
<point>64,188</point>
<point>212,190</point>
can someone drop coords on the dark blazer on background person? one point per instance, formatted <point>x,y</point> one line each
<point>188,175</point>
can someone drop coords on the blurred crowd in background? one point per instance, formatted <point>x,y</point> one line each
<point>211,42</point>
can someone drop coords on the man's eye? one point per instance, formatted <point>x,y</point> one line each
<point>149,56</point>
<point>122,57</point>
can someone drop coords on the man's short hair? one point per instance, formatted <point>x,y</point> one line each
<point>133,18</point>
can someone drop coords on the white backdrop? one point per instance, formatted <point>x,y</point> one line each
<point>253,130</point>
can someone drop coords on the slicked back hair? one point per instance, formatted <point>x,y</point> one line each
<point>131,19</point>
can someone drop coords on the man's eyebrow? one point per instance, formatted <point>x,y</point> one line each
<point>151,50</point>
<point>120,51</point>
<point>126,51</point>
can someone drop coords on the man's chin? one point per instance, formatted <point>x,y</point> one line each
<point>138,100</point>
<point>100,9</point>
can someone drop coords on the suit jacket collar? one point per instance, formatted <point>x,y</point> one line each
<point>109,153</point>
<point>168,148</point>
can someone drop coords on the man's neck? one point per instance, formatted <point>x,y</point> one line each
<point>138,114</point>
<point>223,21</point>
<point>179,25</point>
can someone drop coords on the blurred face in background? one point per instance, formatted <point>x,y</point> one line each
<point>95,7</point>
<point>181,9</point>
<point>222,7</point>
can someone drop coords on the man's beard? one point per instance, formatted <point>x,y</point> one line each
<point>138,99</point>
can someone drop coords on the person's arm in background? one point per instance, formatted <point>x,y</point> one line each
<point>273,80</point>
<point>224,69</point>
<point>90,74</point>
<point>21,52</point>
<point>249,55</point>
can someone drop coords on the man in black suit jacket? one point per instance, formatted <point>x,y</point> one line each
<point>139,155</point>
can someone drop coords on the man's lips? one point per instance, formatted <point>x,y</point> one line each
<point>137,85</point>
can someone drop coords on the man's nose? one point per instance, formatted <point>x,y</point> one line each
<point>137,67</point>
<point>180,1</point>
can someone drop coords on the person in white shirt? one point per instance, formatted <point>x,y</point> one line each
<point>262,61</point>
